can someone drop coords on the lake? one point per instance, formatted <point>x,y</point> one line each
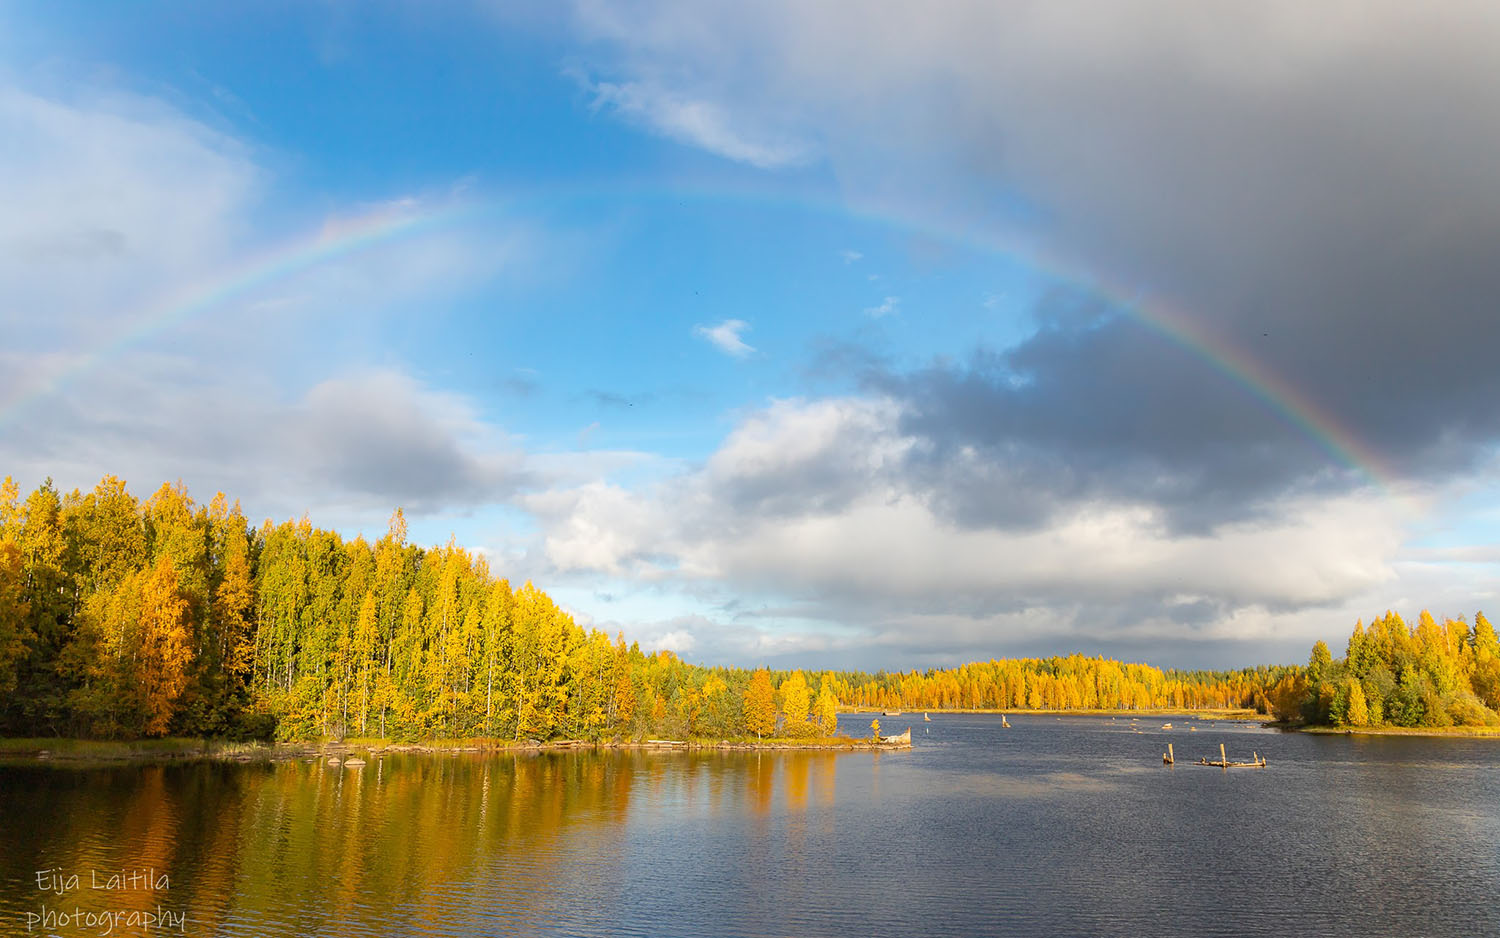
<point>1066,826</point>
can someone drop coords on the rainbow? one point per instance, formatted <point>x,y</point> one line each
<point>335,239</point>
<point>1238,366</point>
<point>338,239</point>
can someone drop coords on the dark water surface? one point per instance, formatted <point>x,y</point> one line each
<point>1056,827</point>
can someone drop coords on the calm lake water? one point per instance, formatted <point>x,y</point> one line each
<point>1058,826</point>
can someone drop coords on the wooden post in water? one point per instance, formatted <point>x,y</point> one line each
<point>1169,758</point>
<point>1222,757</point>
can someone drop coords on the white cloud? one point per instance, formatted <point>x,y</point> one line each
<point>888,307</point>
<point>678,641</point>
<point>850,256</point>
<point>696,122</point>
<point>899,548</point>
<point>107,196</point>
<point>794,445</point>
<point>714,640</point>
<point>810,505</point>
<point>726,335</point>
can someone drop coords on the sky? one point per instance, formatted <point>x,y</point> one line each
<point>815,334</point>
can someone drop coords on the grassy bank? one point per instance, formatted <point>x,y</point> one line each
<point>172,749</point>
<point>1438,731</point>
<point>109,750</point>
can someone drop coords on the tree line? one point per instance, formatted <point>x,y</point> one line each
<point>1393,674</point>
<point>1074,682</point>
<point>128,618</point>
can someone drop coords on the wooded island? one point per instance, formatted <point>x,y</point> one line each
<point>1393,675</point>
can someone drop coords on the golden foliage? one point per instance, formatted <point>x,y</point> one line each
<point>760,704</point>
<point>795,702</point>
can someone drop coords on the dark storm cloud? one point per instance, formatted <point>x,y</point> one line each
<point>1105,409</point>
<point>1112,408</point>
<point>1316,192</point>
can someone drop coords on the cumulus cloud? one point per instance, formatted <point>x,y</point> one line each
<point>596,527</point>
<point>887,307</point>
<point>825,504</point>
<point>726,336</point>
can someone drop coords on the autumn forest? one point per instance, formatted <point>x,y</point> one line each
<point>122,618</point>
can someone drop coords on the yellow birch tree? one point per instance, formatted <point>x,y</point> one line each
<point>760,704</point>
<point>795,700</point>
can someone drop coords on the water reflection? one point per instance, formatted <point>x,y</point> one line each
<point>404,844</point>
<point>1077,829</point>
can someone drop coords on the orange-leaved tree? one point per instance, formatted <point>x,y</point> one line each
<point>166,651</point>
<point>760,704</point>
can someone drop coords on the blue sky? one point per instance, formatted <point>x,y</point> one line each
<point>784,333</point>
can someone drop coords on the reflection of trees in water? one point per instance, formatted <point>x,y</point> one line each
<point>180,821</point>
<point>405,843</point>
<point>796,783</point>
<point>801,773</point>
<point>762,782</point>
<point>207,808</point>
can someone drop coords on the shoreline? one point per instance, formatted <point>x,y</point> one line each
<point>1430,732</point>
<point>1206,713</point>
<point>70,751</point>
<point>75,752</point>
